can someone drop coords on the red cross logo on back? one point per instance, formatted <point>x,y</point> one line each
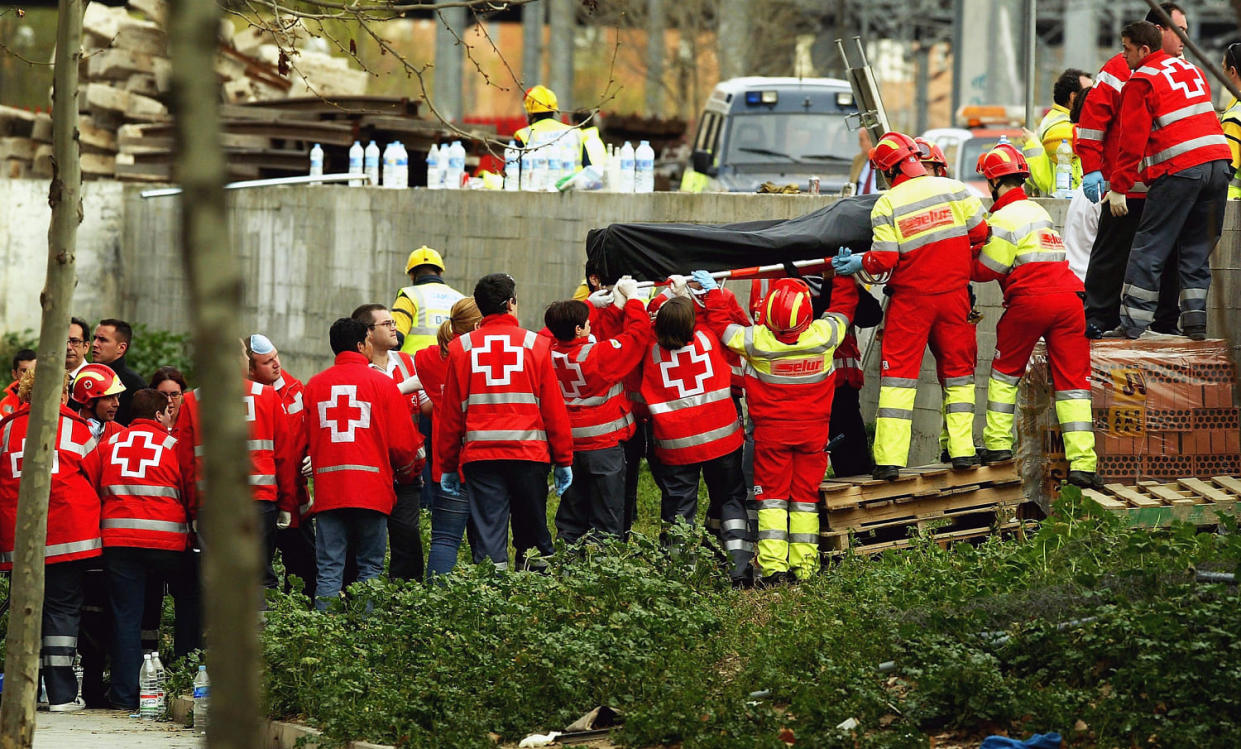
<point>497,360</point>
<point>1182,76</point>
<point>687,370</point>
<point>345,417</point>
<point>16,462</point>
<point>572,384</point>
<point>133,458</point>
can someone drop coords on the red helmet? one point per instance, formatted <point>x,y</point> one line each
<point>929,153</point>
<point>95,381</point>
<point>1002,160</point>
<point>788,308</point>
<point>897,150</point>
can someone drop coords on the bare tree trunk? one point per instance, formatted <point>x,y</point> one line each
<point>21,667</point>
<point>228,521</point>
<point>655,24</point>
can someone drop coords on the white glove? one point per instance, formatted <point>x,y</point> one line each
<point>678,285</point>
<point>283,519</point>
<point>1116,201</point>
<point>410,385</point>
<point>306,467</point>
<point>601,298</point>
<point>625,289</point>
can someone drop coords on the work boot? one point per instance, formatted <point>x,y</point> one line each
<point>1196,332</point>
<point>994,456</point>
<point>965,462</point>
<point>1093,331</point>
<point>1120,331</point>
<point>943,456</point>
<point>774,580</point>
<point>1085,479</point>
<point>886,473</point>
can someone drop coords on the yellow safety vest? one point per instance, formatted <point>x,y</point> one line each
<point>546,131</point>
<point>422,309</point>
<point>1017,238</point>
<point>593,148</point>
<point>1230,120</point>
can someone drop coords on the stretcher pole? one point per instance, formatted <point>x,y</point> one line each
<point>756,272</point>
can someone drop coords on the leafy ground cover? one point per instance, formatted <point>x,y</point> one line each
<point>1086,628</point>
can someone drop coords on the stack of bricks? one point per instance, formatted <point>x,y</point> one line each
<point>1163,409</point>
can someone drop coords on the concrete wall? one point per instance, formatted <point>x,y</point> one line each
<point>311,254</point>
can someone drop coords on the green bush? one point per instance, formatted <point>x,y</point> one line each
<point>10,343</point>
<point>152,349</point>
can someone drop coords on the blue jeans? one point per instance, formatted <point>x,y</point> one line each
<point>364,533</point>
<point>449,516</point>
<point>129,569</point>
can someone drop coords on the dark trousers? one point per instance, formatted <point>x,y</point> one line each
<point>427,492</point>
<point>94,632</point>
<point>297,549</point>
<point>635,448</point>
<point>850,456</point>
<point>500,489</point>
<point>1180,225</point>
<point>727,491</point>
<point>1105,273</point>
<point>62,611</point>
<point>267,529</point>
<point>404,536</point>
<point>129,571</point>
<point>595,503</point>
<point>186,588</point>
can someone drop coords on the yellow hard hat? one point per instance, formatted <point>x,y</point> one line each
<point>424,256</point>
<point>540,98</point>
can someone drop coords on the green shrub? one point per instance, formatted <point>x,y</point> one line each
<point>152,349</point>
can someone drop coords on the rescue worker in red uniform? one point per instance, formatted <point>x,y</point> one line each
<point>72,537</point>
<point>1169,138</point>
<point>1042,299</point>
<point>361,440</point>
<point>789,384</point>
<point>504,420</point>
<point>591,374</point>
<point>924,228</point>
<point>96,393</point>
<point>1098,139</point>
<point>145,526</point>
<point>687,386</point>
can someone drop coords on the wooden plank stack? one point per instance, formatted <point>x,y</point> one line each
<point>1163,410</point>
<point>868,516</point>
<point>1152,504</point>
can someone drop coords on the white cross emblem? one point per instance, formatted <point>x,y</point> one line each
<point>696,366</point>
<point>249,401</point>
<point>499,360</point>
<point>573,388</point>
<point>1183,84</point>
<point>343,413</point>
<point>16,462</point>
<point>146,454</point>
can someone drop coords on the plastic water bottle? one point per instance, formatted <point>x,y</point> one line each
<point>402,166</point>
<point>526,162</point>
<point>150,690</point>
<point>456,165</point>
<point>538,171</point>
<point>316,163</point>
<point>512,167</point>
<point>644,168</point>
<point>568,158</point>
<point>202,699</point>
<point>1003,140</point>
<point>612,175</point>
<point>435,168</point>
<point>625,179</point>
<point>371,161</point>
<point>355,163</point>
<point>389,169</point>
<point>1064,169</point>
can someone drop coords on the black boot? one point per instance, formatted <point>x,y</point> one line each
<point>964,462</point>
<point>994,456</point>
<point>885,473</point>
<point>1085,479</point>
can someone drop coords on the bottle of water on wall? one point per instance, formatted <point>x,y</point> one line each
<point>456,165</point>
<point>435,167</point>
<point>526,161</point>
<point>355,163</point>
<point>389,170</point>
<point>202,699</point>
<point>371,163</point>
<point>402,166</point>
<point>538,171</point>
<point>625,181</point>
<point>512,167</point>
<point>316,163</point>
<point>644,168</point>
<point>1064,169</point>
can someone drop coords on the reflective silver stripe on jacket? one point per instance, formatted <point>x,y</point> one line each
<point>1176,115</point>
<point>145,524</point>
<point>690,401</point>
<point>1107,79</point>
<point>754,353</point>
<point>1214,139</point>
<point>993,264</point>
<point>848,362</point>
<point>698,439</point>
<point>597,400</point>
<point>138,490</point>
<point>346,467</point>
<point>81,449</point>
<point>262,480</point>
<point>253,445</point>
<point>1042,256</point>
<point>938,235</point>
<point>1072,395</point>
<point>199,451</point>
<point>602,429</point>
<point>499,399</point>
<point>1014,236</point>
<point>506,435</point>
<point>73,547</point>
<point>1088,134</point>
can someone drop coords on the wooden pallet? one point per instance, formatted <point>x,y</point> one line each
<point>1152,504</point>
<point>943,537</point>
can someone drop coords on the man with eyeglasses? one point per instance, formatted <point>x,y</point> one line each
<point>76,347</point>
<point>404,536</point>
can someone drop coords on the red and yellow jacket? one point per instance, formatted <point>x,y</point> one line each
<point>1024,252</point>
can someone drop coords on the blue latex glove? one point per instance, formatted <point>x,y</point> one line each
<point>451,483</point>
<point>846,263</point>
<point>1092,185</point>
<point>562,477</point>
<point>704,280</point>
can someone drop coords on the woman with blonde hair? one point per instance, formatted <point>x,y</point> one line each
<point>450,512</point>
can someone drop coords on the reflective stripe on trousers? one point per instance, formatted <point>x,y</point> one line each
<point>894,421</point>
<point>788,538</point>
<point>1076,425</point>
<point>959,419</point>
<point>1001,411</point>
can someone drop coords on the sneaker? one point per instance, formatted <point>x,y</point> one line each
<point>994,456</point>
<point>1196,333</point>
<point>68,707</point>
<point>885,473</point>
<point>965,462</point>
<point>1085,479</point>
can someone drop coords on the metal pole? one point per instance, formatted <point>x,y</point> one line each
<point>449,63</point>
<point>561,20</point>
<point>1202,58</point>
<point>923,85</point>
<point>1031,43</point>
<point>532,44</point>
<point>655,24</point>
